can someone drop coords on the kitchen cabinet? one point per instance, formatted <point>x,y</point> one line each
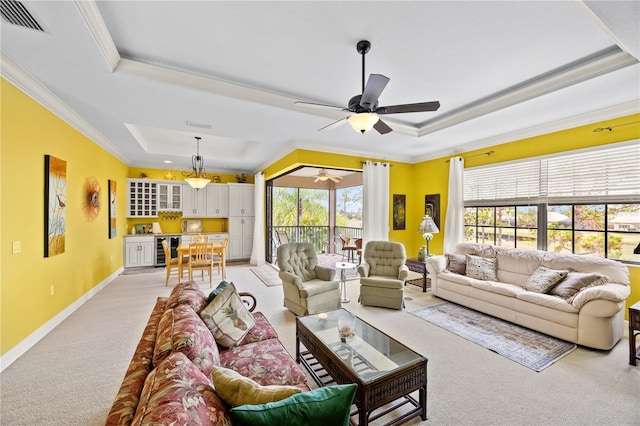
<point>240,237</point>
<point>217,200</point>
<point>194,202</point>
<point>142,198</point>
<point>169,197</point>
<point>241,199</point>
<point>138,251</point>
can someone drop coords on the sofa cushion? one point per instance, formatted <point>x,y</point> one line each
<point>262,330</point>
<point>266,362</point>
<point>329,405</point>
<point>544,279</point>
<point>456,263</point>
<point>515,266</point>
<point>235,389</point>
<point>481,268</point>
<point>576,281</point>
<point>504,289</point>
<point>617,272</point>
<point>227,317</point>
<point>176,392</point>
<point>181,329</point>
<point>188,293</point>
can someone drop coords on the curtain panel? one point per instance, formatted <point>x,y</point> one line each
<point>375,201</point>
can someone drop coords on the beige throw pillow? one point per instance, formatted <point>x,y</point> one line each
<point>235,389</point>
<point>543,279</point>
<point>456,263</point>
<point>228,317</point>
<point>481,268</point>
<point>576,281</point>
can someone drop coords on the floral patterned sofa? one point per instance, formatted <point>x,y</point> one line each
<point>169,378</point>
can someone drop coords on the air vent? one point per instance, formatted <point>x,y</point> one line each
<point>14,12</point>
<point>200,125</point>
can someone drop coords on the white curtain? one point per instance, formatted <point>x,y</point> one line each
<point>454,222</point>
<point>375,201</point>
<point>257,252</point>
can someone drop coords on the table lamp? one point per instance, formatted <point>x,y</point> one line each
<point>427,228</point>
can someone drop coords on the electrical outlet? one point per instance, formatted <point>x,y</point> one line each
<point>52,290</point>
<point>15,247</point>
<point>112,258</point>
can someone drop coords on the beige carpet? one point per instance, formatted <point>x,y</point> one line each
<point>72,375</point>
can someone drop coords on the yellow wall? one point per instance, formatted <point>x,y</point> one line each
<point>29,131</point>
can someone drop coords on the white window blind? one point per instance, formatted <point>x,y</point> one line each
<point>610,173</point>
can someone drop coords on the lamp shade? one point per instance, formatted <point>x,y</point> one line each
<point>363,122</point>
<point>197,182</point>
<point>428,225</point>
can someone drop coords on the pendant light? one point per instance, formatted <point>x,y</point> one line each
<point>197,178</point>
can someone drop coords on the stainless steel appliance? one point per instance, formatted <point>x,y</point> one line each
<point>173,241</point>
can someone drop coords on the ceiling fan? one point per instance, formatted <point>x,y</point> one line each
<point>364,107</point>
<point>323,175</point>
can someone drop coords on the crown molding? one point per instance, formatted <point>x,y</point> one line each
<point>616,111</point>
<point>28,84</point>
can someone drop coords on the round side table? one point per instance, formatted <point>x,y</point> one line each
<point>343,266</point>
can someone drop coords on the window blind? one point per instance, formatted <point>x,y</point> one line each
<point>607,174</point>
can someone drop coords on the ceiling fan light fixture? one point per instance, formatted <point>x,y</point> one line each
<point>363,122</point>
<point>197,178</point>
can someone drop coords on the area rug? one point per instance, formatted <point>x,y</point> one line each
<point>268,275</point>
<point>527,347</point>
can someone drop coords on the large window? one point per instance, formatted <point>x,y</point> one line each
<point>349,207</point>
<point>585,202</point>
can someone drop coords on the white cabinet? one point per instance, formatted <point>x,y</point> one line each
<point>194,202</point>
<point>138,251</point>
<point>170,197</point>
<point>142,198</point>
<point>240,237</point>
<point>217,200</point>
<point>241,199</point>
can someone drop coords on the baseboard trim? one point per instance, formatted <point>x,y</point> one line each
<point>27,343</point>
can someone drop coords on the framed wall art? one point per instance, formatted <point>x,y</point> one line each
<point>432,207</point>
<point>55,203</point>
<point>112,209</point>
<point>399,211</point>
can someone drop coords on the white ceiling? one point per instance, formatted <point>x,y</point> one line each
<point>130,74</point>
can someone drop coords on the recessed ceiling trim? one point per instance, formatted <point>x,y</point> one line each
<point>591,66</point>
<point>24,81</point>
<point>98,29</point>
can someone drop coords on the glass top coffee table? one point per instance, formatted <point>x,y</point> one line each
<point>342,348</point>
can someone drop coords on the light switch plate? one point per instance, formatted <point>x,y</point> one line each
<point>15,247</point>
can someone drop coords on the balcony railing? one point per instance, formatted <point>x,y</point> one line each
<point>319,236</point>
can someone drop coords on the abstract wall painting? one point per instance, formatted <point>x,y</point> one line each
<point>112,209</point>
<point>432,208</point>
<point>399,211</point>
<point>55,203</point>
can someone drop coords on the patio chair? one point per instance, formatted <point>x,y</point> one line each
<point>348,247</point>
<point>382,274</point>
<point>308,287</point>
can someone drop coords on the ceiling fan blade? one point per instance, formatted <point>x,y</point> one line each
<point>375,86</point>
<point>382,127</point>
<point>334,178</point>
<point>316,105</point>
<point>419,107</point>
<point>333,125</point>
<point>317,179</point>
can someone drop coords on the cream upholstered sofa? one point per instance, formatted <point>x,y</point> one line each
<point>308,287</point>
<point>585,306</point>
<point>382,274</point>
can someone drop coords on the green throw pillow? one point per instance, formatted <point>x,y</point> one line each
<point>330,405</point>
<point>216,291</point>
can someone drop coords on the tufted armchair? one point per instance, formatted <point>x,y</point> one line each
<point>308,287</point>
<point>382,274</point>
